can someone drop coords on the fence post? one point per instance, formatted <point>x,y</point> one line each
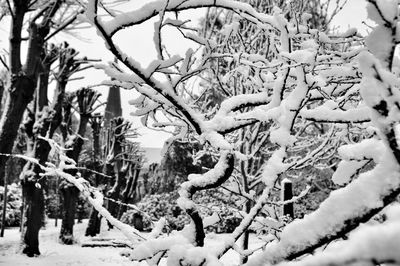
<point>287,194</point>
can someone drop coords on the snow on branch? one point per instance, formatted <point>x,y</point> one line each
<point>92,195</point>
<point>329,114</point>
<point>263,69</point>
<point>154,8</point>
<point>373,244</point>
<point>161,88</point>
<point>343,211</point>
<point>368,194</point>
<point>211,179</point>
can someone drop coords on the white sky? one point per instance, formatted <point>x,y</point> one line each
<point>138,43</point>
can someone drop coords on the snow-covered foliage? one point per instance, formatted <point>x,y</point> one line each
<point>14,203</point>
<point>303,83</point>
<point>215,202</point>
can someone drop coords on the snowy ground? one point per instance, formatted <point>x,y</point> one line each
<point>56,254</point>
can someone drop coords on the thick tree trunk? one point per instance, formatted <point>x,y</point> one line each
<point>34,208</point>
<point>70,195</point>
<point>21,93</point>
<point>34,199</point>
<point>94,223</point>
<point>40,150</point>
<point>68,191</point>
<point>117,125</point>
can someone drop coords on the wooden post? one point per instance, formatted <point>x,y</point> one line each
<point>287,194</point>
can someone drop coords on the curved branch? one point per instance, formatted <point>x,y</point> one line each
<point>212,179</point>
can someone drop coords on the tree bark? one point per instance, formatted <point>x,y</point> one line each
<point>70,195</point>
<point>49,121</point>
<point>124,195</point>
<point>22,78</point>
<point>34,208</point>
<point>129,191</point>
<point>117,124</point>
<point>21,93</point>
<point>94,223</point>
<point>115,192</point>
<point>68,191</point>
<point>1,95</point>
<point>32,186</point>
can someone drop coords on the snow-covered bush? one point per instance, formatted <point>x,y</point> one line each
<point>52,205</point>
<point>14,203</point>
<point>154,207</point>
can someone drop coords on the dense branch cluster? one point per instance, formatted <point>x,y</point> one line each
<point>270,94</point>
<point>283,79</point>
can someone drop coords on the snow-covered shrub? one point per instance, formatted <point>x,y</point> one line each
<point>153,207</point>
<point>320,184</point>
<point>224,205</point>
<point>52,203</point>
<point>14,203</point>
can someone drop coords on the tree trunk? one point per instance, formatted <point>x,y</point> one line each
<point>21,93</point>
<point>40,151</point>
<point>68,191</point>
<point>129,191</point>
<point>33,195</point>
<point>115,193</point>
<point>124,196</point>
<point>94,223</point>
<point>69,195</point>
<point>34,208</point>
<point>1,96</point>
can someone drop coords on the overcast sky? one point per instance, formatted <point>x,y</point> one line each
<point>138,42</point>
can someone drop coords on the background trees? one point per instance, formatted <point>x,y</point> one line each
<point>27,92</point>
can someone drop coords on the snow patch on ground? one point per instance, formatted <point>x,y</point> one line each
<point>55,254</point>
